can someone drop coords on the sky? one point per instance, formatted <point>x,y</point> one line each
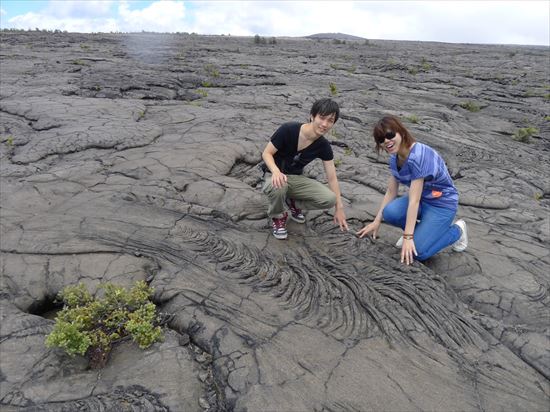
<point>473,21</point>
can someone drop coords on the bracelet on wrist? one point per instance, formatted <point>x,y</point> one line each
<point>408,236</point>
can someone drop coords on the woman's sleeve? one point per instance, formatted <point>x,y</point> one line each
<point>423,165</point>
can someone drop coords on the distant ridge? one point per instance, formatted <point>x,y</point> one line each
<point>334,36</point>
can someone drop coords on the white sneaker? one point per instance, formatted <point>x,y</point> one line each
<point>462,243</point>
<point>399,243</point>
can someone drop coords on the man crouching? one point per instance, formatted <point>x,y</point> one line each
<point>292,147</point>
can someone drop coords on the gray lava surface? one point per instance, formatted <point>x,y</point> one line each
<point>129,157</point>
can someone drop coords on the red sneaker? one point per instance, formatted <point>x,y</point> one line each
<point>295,213</point>
<point>279,226</point>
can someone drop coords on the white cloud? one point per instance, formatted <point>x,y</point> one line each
<point>161,16</point>
<point>78,9</point>
<point>520,22</point>
<point>83,25</point>
<point>448,21</point>
<point>2,12</point>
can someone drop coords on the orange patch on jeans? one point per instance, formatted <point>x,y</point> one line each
<point>436,194</point>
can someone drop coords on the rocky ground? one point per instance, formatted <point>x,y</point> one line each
<point>127,157</point>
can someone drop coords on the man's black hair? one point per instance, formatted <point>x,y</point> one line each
<point>325,107</point>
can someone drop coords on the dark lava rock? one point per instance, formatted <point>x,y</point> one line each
<point>127,157</point>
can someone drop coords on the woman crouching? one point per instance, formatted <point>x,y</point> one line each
<point>427,212</point>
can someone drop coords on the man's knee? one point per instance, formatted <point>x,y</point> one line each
<point>328,201</point>
<point>271,191</point>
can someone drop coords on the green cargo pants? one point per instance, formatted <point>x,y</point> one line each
<point>309,194</point>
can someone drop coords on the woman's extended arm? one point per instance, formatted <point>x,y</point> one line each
<point>391,193</point>
<point>409,247</point>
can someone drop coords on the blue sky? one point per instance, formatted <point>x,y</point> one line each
<point>494,21</point>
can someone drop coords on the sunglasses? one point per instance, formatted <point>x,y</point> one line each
<point>390,134</point>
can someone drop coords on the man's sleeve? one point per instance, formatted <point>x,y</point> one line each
<point>279,137</point>
<point>326,153</point>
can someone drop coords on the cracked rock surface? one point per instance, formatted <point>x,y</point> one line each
<point>129,157</point>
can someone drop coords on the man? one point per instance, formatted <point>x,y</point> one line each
<point>292,147</point>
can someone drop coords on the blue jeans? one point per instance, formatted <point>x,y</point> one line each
<point>435,230</point>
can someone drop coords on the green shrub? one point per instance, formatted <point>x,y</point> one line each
<point>91,326</point>
<point>413,118</point>
<point>79,62</point>
<point>524,134</point>
<point>259,40</point>
<point>425,64</point>
<point>470,106</point>
<point>212,70</point>
<point>203,93</point>
<point>333,88</point>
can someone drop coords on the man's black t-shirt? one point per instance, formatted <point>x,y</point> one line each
<point>288,159</point>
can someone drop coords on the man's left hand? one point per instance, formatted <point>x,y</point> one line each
<point>340,219</point>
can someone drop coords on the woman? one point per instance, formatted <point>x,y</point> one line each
<point>427,212</point>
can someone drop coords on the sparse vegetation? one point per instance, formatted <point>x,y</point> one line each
<point>333,88</point>
<point>413,71</point>
<point>425,64</point>
<point>524,134</point>
<point>262,40</point>
<point>90,325</point>
<point>538,196</point>
<point>203,93</point>
<point>470,106</point>
<point>348,151</point>
<point>212,70</point>
<point>337,162</point>
<point>412,118</point>
<point>547,118</point>
<point>259,39</point>
<point>9,141</point>
<point>206,83</point>
<point>79,62</point>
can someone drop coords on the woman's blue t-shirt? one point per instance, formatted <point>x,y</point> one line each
<point>425,162</point>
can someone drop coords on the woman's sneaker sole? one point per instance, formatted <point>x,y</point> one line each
<point>462,243</point>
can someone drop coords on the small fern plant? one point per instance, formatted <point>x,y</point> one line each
<point>91,326</point>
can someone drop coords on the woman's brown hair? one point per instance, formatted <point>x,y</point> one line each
<point>393,124</point>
